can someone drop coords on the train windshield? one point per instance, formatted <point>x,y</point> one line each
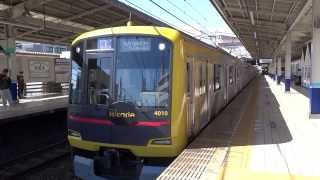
<point>142,71</point>
<point>129,69</point>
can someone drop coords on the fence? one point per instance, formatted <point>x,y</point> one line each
<point>40,88</point>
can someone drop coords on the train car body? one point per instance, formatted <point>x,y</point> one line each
<point>146,90</point>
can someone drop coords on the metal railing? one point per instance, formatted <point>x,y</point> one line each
<point>40,88</point>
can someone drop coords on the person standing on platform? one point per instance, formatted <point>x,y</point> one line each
<point>21,85</point>
<point>5,83</point>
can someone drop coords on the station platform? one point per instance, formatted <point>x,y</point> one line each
<point>264,133</point>
<point>33,105</point>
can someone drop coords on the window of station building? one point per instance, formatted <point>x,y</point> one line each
<point>57,50</point>
<point>50,49</point>
<point>217,77</point>
<point>231,74</point>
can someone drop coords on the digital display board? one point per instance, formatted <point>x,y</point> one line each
<point>132,44</point>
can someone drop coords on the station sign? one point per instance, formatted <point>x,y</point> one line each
<point>39,69</point>
<point>62,69</point>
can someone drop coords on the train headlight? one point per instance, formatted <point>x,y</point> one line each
<point>78,50</point>
<point>161,142</point>
<point>162,46</point>
<point>74,133</point>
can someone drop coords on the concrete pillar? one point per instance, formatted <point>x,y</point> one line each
<point>279,70</point>
<point>288,63</point>
<point>275,69</point>
<point>9,46</point>
<point>271,71</point>
<point>11,58</point>
<point>315,61</point>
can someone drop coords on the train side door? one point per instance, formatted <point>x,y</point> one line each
<point>190,98</point>
<point>100,73</point>
<point>211,95</point>
<point>238,78</point>
<point>204,93</point>
<point>99,87</point>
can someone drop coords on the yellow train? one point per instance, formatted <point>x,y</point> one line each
<point>145,90</point>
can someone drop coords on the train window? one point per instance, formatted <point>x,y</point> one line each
<point>143,71</point>
<point>217,77</point>
<point>104,43</point>
<point>202,75</point>
<point>99,80</point>
<point>231,74</point>
<point>188,78</point>
<point>76,73</point>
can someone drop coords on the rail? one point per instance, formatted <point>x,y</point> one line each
<point>19,166</point>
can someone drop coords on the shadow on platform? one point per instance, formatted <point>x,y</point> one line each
<point>261,123</point>
<point>302,90</point>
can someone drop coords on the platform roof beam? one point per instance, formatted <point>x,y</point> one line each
<point>250,19</point>
<point>22,8</point>
<point>59,21</point>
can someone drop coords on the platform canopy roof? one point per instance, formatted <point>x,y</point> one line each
<point>263,25</point>
<point>59,21</point>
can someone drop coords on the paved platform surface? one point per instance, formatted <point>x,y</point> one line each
<point>264,133</point>
<point>33,105</point>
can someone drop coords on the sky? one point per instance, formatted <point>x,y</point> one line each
<point>200,16</point>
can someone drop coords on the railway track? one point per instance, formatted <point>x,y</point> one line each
<point>34,160</point>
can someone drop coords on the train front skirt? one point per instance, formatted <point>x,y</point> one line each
<point>85,169</point>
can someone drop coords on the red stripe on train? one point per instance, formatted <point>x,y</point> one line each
<point>90,120</point>
<point>108,122</point>
<point>150,124</point>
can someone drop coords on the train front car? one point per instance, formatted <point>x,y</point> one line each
<point>120,98</point>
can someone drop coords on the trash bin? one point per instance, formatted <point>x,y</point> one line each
<point>13,90</point>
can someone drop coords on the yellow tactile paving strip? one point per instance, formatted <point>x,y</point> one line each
<point>264,134</point>
<point>238,155</point>
<point>205,155</point>
<point>239,159</point>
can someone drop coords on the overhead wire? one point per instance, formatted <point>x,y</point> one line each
<point>204,18</point>
<point>209,36</point>
<point>184,22</point>
<point>184,12</point>
<point>157,17</point>
<point>199,13</point>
